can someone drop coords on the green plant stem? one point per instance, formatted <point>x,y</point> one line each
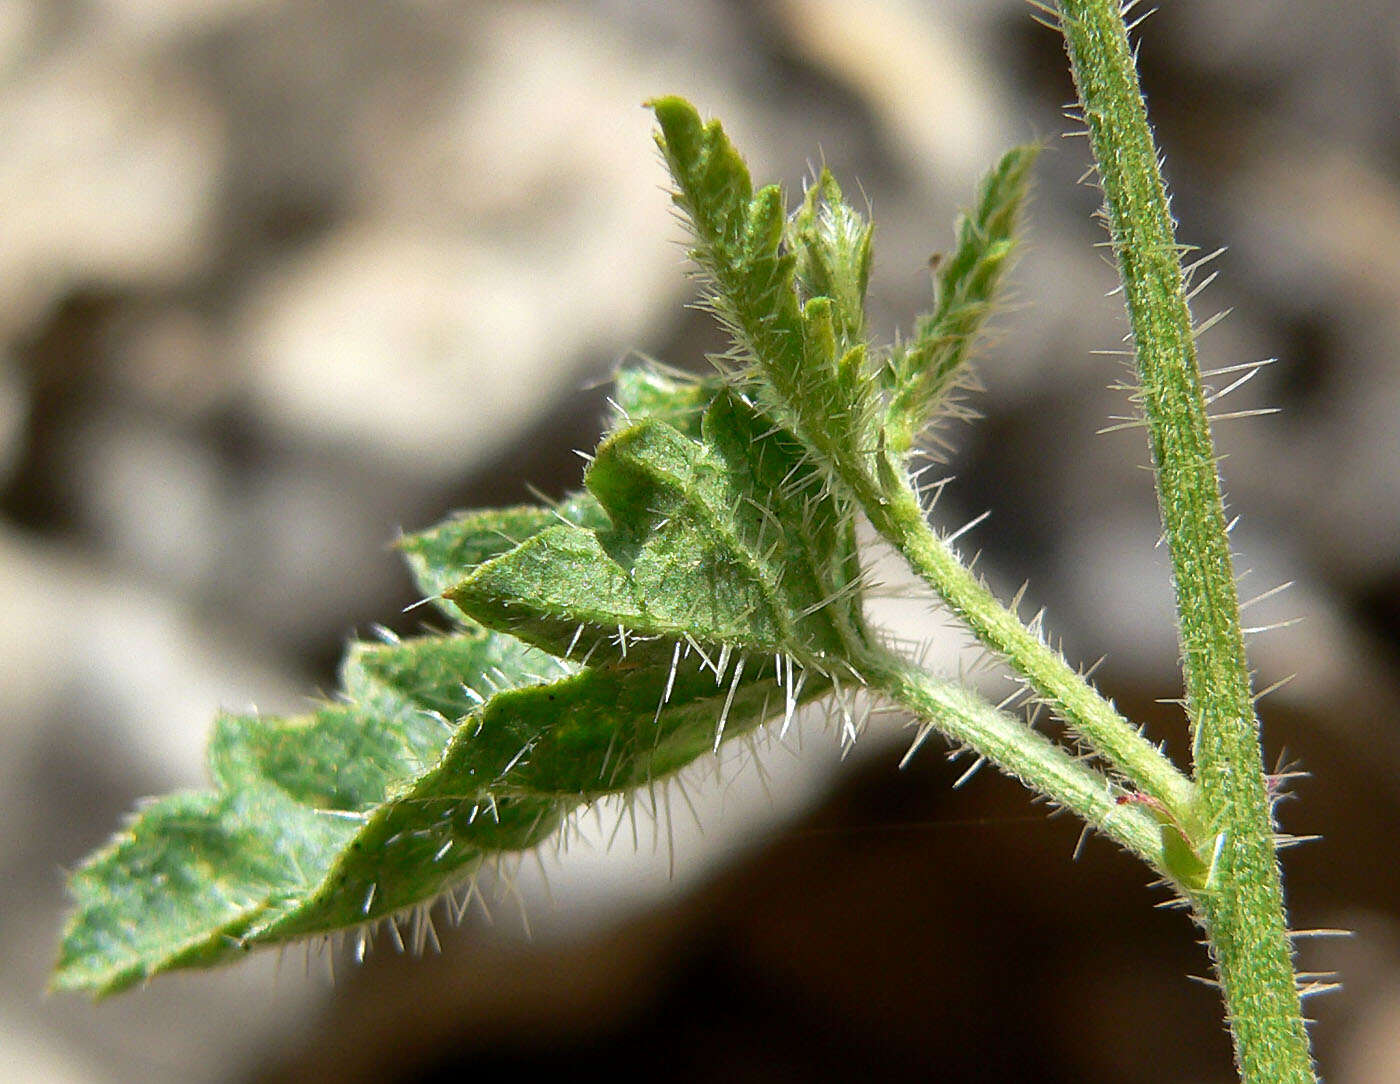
<point>1043,765</point>
<point>894,511</point>
<point>1242,908</point>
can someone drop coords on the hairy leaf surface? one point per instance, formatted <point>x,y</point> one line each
<point>921,373</point>
<point>706,579</point>
<point>801,357</point>
<point>730,540</point>
<point>358,812</point>
<point>445,750</point>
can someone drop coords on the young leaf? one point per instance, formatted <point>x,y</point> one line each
<point>795,356</point>
<point>921,372</point>
<point>832,243</point>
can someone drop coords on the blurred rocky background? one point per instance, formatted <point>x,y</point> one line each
<point>280,278</point>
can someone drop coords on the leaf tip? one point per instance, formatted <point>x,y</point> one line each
<point>680,122</point>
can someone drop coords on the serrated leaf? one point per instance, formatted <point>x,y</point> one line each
<point>832,242</point>
<point>444,750</point>
<point>188,877</point>
<point>787,347</point>
<point>443,555</point>
<point>648,391</point>
<point>197,876</point>
<point>401,704</point>
<point>706,580</point>
<point>922,372</point>
<point>733,540</point>
<point>358,812</point>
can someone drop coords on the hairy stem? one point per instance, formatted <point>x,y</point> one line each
<point>1242,908</point>
<point>1046,767</point>
<point>895,512</point>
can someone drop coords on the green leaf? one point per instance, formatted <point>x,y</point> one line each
<point>705,580</point>
<point>790,350</point>
<point>733,541</point>
<point>723,562</point>
<point>442,555</point>
<point>277,845</point>
<point>186,880</point>
<point>360,812</point>
<point>921,373</point>
<point>650,391</point>
<point>832,243</point>
<point>402,702</point>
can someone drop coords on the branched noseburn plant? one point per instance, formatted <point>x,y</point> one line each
<point>706,581</point>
